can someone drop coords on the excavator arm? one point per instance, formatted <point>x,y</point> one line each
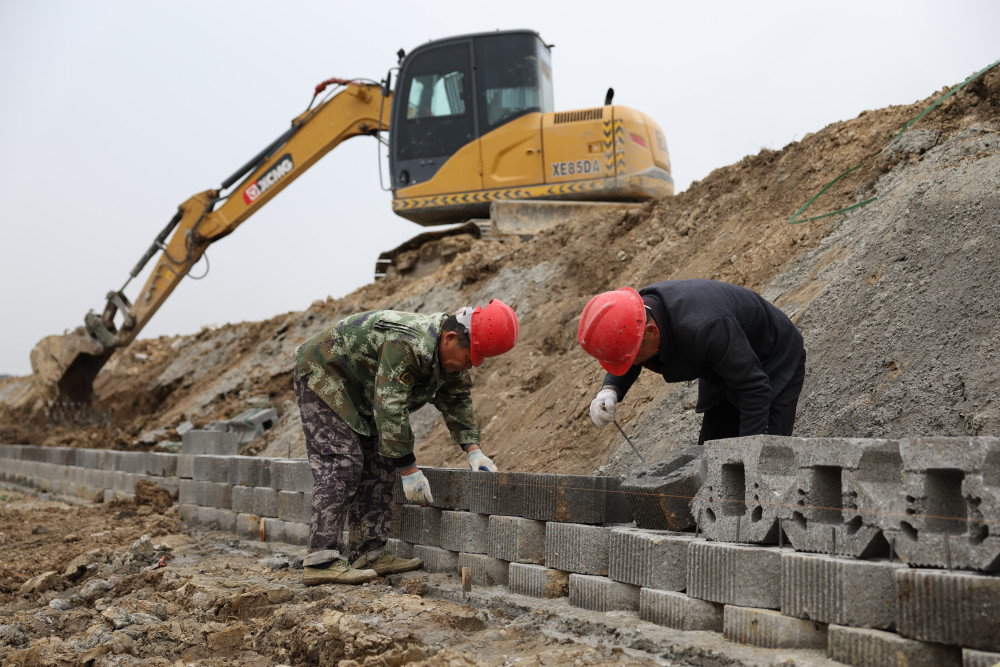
<point>67,365</point>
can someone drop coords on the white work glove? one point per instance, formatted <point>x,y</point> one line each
<point>602,408</point>
<point>479,461</point>
<point>416,488</point>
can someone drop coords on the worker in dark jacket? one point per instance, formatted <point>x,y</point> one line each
<point>745,353</point>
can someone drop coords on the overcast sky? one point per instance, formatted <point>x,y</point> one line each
<point>115,112</point>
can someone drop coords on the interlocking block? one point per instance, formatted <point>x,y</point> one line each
<point>971,658</point>
<point>249,471</point>
<point>188,512</point>
<point>660,495</point>
<point>436,559</point>
<point>295,506</point>
<point>537,581</point>
<point>485,571</point>
<point>771,629</point>
<point>201,441</point>
<point>242,499</point>
<point>464,531</point>
<point>677,610</point>
<point>949,608</point>
<point>567,498</point>
<point>945,514</point>
<point>264,501</point>
<point>746,480</point>
<point>185,466</point>
<point>842,488</point>
<point>602,594</point>
<point>516,539</point>
<point>449,487</point>
<point>274,530</point>
<point>856,593</point>
<point>483,493</point>
<point>399,548</point>
<point>734,574</point>
<point>653,559</point>
<point>187,493</point>
<point>215,494</point>
<point>420,525</point>
<point>291,475</point>
<point>248,525</point>
<point>577,548</point>
<point>877,648</point>
<point>211,468</point>
<point>296,533</point>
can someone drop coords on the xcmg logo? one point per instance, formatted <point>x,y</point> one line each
<point>270,177</point>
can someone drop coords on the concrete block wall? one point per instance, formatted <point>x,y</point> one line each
<point>740,574</point>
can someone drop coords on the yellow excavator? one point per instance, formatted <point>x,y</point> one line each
<point>470,125</point>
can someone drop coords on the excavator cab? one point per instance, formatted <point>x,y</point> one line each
<point>451,94</point>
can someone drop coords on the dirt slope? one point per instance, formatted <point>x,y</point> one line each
<point>896,300</point>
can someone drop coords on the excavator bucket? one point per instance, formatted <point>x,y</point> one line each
<point>64,367</point>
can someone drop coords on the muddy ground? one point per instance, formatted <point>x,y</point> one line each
<point>897,301</point>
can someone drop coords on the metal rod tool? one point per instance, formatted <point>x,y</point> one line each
<point>628,441</point>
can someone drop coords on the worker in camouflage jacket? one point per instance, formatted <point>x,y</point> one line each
<point>356,384</point>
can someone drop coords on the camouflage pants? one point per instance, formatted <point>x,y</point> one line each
<point>352,482</point>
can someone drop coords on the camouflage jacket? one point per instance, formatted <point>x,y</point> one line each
<point>376,367</point>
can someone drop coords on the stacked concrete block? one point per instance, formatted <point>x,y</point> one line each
<point>955,608</point>
<point>464,531</point>
<point>249,471</point>
<point>868,648</point>
<point>652,559</point>
<point>242,499</point>
<point>295,506</point>
<point>264,501</point>
<point>733,574</point>
<point>516,539</point>
<point>602,594</point>
<point>449,487</point>
<point>247,426</point>
<point>291,475</point>
<point>944,515</point>
<point>577,548</point>
<point>214,494</point>
<point>436,559</point>
<point>484,493</point>
<point>843,591</point>
<point>746,481</point>
<point>566,498</point>
<point>537,581</point>
<point>249,526</point>
<point>485,570</point>
<point>399,548</point>
<point>420,525</point>
<point>185,466</point>
<point>770,629</point>
<point>971,658</point>
<point>677,610</point>
<point>201,441</point>
<point>840,495</point>
<point>659,496</point>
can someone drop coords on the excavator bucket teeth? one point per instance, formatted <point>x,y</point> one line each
<point>64,367</point>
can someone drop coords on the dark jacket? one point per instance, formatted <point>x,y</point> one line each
<point>738,345</point>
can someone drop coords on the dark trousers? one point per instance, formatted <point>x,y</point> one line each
<point>352,482</point>
<point>723,420</point>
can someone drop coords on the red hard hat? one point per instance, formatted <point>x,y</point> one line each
<point>493,331</point>
<point>611,328</point>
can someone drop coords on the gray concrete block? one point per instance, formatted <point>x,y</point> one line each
<point>676,610</point>
<point>733,574</point>
<point>214,494</point>
<point>242,499</point>
<point>855,593</point>
<point>185,466</point>
<point>188,512</point>
<point>951,495</point>
<point>602,594</point>
<point>771,629</point>
<point>210,468</point>
<point>249,471</point>
<point>265,501</point>
<point>483,492</point>
<point>162,464</point>
<point>972,658</point>
<point>516,539</point>
<point>420,525</point>
<point>248,526</point>
<point>396,521</point>
<point>537,581</point>
<point>188,492</point>
<point>876,648</point>
<point>297,533</point>
<point>436,559</point>
<point>295,506</point>
<point>399,548</point>
<point>485,571</point>
<point>291,475</point>
<point>842,488</point>
<point>448,486</point>
<point>660,495</point>
<point>464,531</point>
<point>949,608</point>
<point>274,530</point>
<point>202,441</point>
<point>577,548</point>
<point>746,481</point>
<point>563,498</point>
<point>652,559</point>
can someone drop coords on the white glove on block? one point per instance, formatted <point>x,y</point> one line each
<point>416,488</point>
<point>602,408</point>
<point>479,461</point>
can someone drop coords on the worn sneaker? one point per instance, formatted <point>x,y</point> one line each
<point>387,563</point>
<point>335,572</point>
